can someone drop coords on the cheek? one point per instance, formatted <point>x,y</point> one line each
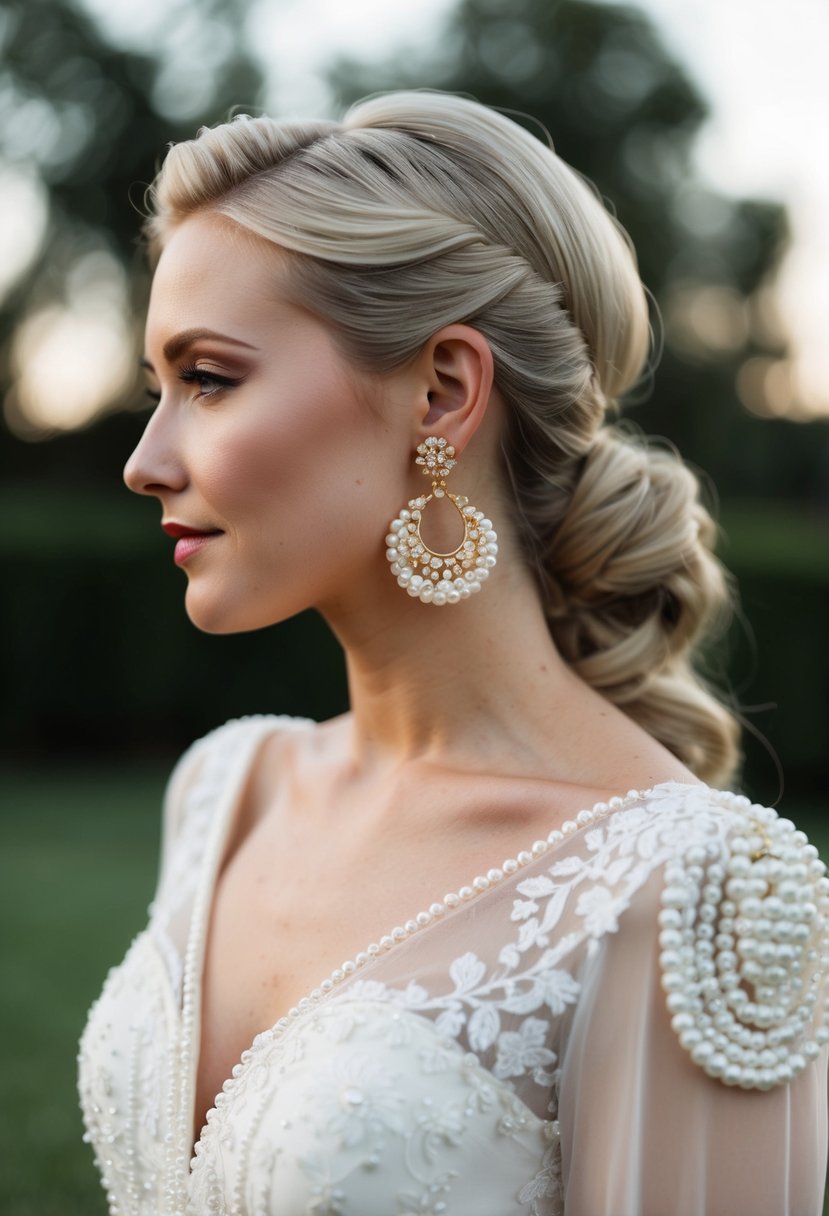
<point>241,475</point>
<point>307,482</point>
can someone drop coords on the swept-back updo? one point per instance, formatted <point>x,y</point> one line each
<point>421,209</point>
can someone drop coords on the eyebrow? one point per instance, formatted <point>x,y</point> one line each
<point>176,345</point>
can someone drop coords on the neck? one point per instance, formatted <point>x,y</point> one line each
<point>470,685</point>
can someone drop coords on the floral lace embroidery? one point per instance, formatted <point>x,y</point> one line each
<point>544,1192</point>
<point>381,1094</point>
<point>575,900</point>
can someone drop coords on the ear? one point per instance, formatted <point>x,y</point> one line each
<point>458,369</point>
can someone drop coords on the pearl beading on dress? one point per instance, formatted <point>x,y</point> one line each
<point>768,835</point>
<point>756,918</point>
<point>178,1105</point>
<point>104,1120</point>
<point>482,882</point>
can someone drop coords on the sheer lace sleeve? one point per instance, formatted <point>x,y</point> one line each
<point>645,1130</point>
<point>653,985</point>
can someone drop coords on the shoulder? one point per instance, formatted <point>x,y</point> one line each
<point>670,819</point>
<point>678,845</point>
<point>204,764</point>
<point>603,870</point>
<point>700,835</point>
<point>200,784</point>
<point>620,842</point>
<point>231,733</point>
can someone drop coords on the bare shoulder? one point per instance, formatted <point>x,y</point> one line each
<point>649,767</point>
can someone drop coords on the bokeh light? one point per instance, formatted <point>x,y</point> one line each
<point>72,360</point>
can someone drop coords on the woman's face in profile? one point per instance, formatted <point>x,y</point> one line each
<point>263,437</point>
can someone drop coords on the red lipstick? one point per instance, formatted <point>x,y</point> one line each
<point>189,540</point>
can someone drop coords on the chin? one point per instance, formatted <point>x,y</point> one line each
<point>221,618</point>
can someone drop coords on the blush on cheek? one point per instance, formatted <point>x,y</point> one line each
<point>240,476</point>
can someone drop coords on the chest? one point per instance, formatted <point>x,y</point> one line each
<point>290,906</point>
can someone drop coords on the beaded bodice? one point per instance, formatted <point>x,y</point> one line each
<point>650,974</point>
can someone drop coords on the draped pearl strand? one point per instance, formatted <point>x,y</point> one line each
<point>745,943</point>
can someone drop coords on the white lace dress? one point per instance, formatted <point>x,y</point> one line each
<point>627,1019</point>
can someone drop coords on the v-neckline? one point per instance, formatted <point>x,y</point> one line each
<point>195,955</point>
<point>193,963</point>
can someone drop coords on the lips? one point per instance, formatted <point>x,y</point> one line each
<point>180,530</point>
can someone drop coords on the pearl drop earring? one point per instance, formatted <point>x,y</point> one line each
<point>440,578</point>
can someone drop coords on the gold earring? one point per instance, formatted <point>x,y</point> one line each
<point>440,578</point>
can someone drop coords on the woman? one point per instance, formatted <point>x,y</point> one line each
<point>627,1015</point>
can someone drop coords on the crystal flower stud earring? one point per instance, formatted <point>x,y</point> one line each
<point>440,578</point>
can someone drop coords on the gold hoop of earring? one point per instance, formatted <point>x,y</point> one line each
<point>440,578</point>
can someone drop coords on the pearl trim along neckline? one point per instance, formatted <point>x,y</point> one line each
<point>479,884</point>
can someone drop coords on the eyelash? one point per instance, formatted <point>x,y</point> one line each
<point>192,375</point>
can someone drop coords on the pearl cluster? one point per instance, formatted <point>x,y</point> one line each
<point>436,578</point>
<point>744,937</point>
<point>483,882</point>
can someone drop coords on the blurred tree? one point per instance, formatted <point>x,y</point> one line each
<point>83,125</point>
<point>622,112</point>
<point>96,651</point>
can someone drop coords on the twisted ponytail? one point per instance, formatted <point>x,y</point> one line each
<point>632,591</point>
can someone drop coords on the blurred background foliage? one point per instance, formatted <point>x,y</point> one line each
<point>103,676</point>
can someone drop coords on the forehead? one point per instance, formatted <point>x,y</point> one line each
<point>212,273</point>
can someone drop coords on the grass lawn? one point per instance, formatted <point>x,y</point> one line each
<point>77,870</point>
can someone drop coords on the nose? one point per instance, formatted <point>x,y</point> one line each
<point>155,465</point>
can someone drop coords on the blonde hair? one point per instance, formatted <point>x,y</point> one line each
<point>423,208</point>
